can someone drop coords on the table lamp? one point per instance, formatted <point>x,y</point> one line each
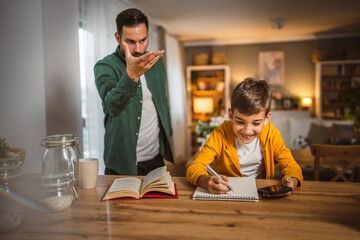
<point>306,102</point>
<point>203,106</point>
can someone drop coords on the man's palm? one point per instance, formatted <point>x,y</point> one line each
<point>137,66</point>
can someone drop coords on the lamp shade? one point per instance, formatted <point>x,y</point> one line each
<point>306,102</point>
<point>203,105</point>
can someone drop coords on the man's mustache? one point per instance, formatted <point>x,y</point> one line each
<point>137,54</point>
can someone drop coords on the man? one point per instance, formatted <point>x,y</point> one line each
<point>131,84</point>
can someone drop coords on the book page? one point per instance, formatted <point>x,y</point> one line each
<point>165,185</point>
<point>121,184</point>
<point>154,175</point>
<point>244,190</point>
<point>164,182</point>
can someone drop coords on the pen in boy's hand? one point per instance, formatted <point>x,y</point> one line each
<point>217,175</point>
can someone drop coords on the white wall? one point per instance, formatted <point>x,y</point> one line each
<point>61,66</point>
<point>39,50</point>
<point>22,95</point>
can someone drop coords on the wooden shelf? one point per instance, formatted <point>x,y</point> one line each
<point>332,118</point>
<point>336,104</point>
<point>203,93</point>
<point>334,89</point>
<point>340,75</point>
<point>210,79</point>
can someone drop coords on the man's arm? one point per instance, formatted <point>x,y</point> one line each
<point>115,93</point>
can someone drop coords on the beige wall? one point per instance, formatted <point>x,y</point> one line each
<point>299,70</point>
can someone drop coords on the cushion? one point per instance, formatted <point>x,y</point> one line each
<point>299,129</point>
<point>330,123</point>
<point>318,134</point>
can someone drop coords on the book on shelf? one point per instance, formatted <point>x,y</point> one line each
<point>325,99</point>
<point>330,70</point>
<point>244,190</point>
<point>156,184</point>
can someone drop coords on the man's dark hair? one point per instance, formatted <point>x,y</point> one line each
<point>251,97</point>
<point>130,17</point>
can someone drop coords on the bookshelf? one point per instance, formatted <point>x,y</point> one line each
<point>333,79</point>
<point>208,95</point>
<point>209,82</point>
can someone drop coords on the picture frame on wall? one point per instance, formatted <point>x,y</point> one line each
<point>271,67</point>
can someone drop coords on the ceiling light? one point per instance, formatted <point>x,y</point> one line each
<point>277,23</point>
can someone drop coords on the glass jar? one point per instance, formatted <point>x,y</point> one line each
<point>12,213</point>
<point>57,180</point>
<point>57,198</point>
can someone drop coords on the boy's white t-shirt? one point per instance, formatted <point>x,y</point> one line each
<point>250,158</point>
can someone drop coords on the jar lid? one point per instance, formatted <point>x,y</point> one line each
<point>60,139</point>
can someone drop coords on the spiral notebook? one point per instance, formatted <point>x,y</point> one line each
<point>244,190</point>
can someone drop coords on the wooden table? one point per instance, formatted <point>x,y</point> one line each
<point>320,210</point>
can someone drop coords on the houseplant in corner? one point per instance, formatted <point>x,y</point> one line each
<point>351,96</point>
<point>12,214</point>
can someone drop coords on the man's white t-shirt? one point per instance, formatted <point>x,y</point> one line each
<point>148,145</point>
<point>250,158</point>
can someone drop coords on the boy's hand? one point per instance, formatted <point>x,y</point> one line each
<point>289,182</point>
<point>214,184</point>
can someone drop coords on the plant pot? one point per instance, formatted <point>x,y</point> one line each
<point>12,164</point>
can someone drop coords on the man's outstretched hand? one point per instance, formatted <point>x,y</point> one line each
<point>137,66</point>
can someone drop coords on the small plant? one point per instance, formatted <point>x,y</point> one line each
<point>204,129</point>
<point>4,149</point>
<point>297,102</point>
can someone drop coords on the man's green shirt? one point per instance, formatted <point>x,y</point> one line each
<point>122,103</point>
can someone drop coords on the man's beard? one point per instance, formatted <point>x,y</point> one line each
<point>137,54</point>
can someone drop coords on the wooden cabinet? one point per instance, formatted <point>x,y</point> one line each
<point>208,91</point>
<point>333,81</point>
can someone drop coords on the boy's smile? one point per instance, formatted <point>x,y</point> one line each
<point>248,127</point>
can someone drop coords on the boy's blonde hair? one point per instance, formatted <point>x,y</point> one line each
<point>251,96</point>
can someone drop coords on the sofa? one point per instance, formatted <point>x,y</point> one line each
<point>298,132</point>
<point>297,128</point>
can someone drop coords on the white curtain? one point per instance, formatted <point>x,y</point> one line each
<point>96,40</point>
<point>177,97</point>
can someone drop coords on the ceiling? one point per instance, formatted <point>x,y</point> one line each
<point>219,22</point>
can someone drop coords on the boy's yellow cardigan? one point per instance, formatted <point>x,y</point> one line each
<point>220,151</point>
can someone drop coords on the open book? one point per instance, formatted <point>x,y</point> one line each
<point>244,190</point>
<point>156,184</point>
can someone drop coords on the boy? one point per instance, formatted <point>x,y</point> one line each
<point>248,145</point>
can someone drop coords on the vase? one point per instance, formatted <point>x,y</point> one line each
<point>12,213</point>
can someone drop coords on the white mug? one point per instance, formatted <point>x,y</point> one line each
<point>86,174</point>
